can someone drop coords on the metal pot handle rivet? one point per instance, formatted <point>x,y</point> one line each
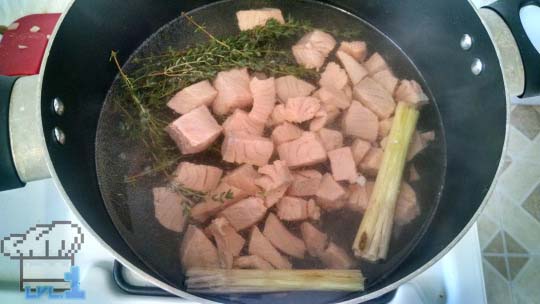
<point>58,106</point>
<point>466,42</point>
<point>477,66</point>
<point>59,135</point>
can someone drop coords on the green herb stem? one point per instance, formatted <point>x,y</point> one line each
<point>154,79</point>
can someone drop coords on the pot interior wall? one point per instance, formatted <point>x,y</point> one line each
<point>472,107</point>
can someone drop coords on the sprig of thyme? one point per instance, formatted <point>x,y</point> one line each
<point>159,77</point>
<point>194,196</point>
<point>145,124</point>
<point>156,78</point>
<point>221,197</point>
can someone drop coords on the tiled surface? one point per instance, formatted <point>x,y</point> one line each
<point>509,227</point>
<point>526,120</point>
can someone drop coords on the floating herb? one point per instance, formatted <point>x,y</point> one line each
<point>156,78</point>
<point>186,208</point>
<point>144,124</point>
<point>221,197</point>
<point>193,196</point>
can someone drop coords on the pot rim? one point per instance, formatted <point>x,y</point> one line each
<point>187,296</point>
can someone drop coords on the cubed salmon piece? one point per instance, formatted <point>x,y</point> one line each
<point>292,209</point>
<point>333,76</point>
<point>372,161</point>
<point>315,240</point>
<point>330,195</point>
<point>311,51</point>
<point>300,109</point>
<point>259,75</point>
<point>243,178</point>
<point>331,139</point>
<point>375,97</point>
<point>278,115</point>
<point>199,94</point>
<point>370,184</point>
<point>221,197</point>
<point>264,99</point>
<point>304,151</point>
<point>240,121</point>
<point>197,250</point>
<point>282,238</point>
<point>245,213</point>
<point>369,188</point>
<point>169,209</point>
<point>413,174</point>
<point>360,180</point>
<point>273,196</point>
<point>342,164</point>
<point>326,115</point>
<point>419,142</point>
<point>252,262</point>
<point>383,143</point>
<point>355,69</point>
<point>358,199</point>
<point>305,183</point>
<point>384,127</point>
<point>407,208</point>
<point>315,94</point>
<point>207,232</point>
<point>319,121</point>
<point>249,19</point>
<point>290,87</point>
<point>375,63</point>
<point>415,146</point>
<point>197,177</point>
<point>359,121</point>
<point>411,92</point>
<point>202,211</point>
<point>274,176</point>
<point>335,257</point>
<point>285,132</point>
<point>226,194</point>
<point>355,49</point>
<point>260,246</point>
<point>335,97</point>
<point>387,79</point>
<point>428,136</point>
<point>233,91</point>
<point>244,148</point>
<point>229,243</point>
<point>359,149</point>
<point>194,131</point>
<point>348,91</point>
<point>314,212</point>
<point>332,110</point>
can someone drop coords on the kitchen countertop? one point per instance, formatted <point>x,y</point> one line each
<point>509,226</point>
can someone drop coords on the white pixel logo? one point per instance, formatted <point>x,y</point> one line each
<point>46,253</point>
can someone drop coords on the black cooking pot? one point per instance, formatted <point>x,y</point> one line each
<point>445,40</point>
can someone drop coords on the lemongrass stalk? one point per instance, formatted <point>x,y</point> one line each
<point>202,280</point>
<point>373,237</point>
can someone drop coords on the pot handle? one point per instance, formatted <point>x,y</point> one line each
<point>9,178</point>
<point>509,10</point>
